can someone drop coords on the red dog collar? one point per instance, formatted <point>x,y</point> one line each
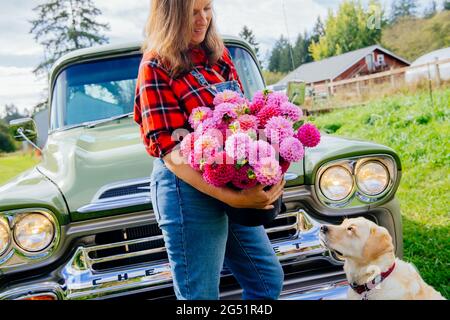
<point>366,287</point>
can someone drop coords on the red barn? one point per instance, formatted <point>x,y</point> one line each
<point>351,64</point>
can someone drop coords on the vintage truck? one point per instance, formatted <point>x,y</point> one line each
<point>80,225</point>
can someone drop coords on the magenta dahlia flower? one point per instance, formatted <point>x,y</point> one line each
<point>291,149</point>
<point>291,111</point>
<point>237,146</point>
<point>278,128</point>
<point>245,178</point>
<point>284,165</point>
<point>220,171</point>
<point>258,102</point>
<point>268,171</point>
<point>267,112</point>
<point>227,96</point>
<point>198,115</point>
<point>224,112</point>
<point>308,135</point>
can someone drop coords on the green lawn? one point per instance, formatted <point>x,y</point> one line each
<point>420,133</point>
<point>13,164</point>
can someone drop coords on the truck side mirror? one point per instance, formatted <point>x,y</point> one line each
<point>23,129</point>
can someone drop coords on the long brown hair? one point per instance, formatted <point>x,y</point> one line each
<point>168,32</point>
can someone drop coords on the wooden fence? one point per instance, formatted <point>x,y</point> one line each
<point>356,90</point>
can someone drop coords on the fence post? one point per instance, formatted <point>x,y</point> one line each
<point>438,73</point>
<point>392,78</point>
<point>358,87</point>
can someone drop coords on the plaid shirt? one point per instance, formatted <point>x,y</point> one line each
<point>163,104</point>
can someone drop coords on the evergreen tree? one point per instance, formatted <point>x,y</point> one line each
<point>65,25</point>
<point>431,10</point>
<point>446,5</point>
<point>403,8</point>
<point>347,30</point>
<point>280,59</point>
<point>247,34</point>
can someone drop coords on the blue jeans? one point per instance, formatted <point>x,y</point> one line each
<point>199,239</point>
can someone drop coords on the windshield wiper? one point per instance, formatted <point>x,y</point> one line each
<point>95,123</point>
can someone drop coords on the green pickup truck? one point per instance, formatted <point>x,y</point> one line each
<point>80,224</point>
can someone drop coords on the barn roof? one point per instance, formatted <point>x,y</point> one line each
<point>332,67</point>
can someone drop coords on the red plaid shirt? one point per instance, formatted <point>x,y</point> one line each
<point>163,104</point>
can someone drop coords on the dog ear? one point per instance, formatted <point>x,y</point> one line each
<point>378,243</point>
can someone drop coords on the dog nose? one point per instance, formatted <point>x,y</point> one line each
<point>324,229</point>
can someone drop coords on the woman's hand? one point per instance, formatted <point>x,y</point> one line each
<point>256,197</point>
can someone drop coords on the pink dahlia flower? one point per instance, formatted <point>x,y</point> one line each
<point>308,135</point>
<point>277,98</point>
<point>245,178</point>
<point>278,128</point>
<point>206,147</point>
<point>267,112</point>
<point>258,102</point>
<point>220,171</point>
<point>268,171</point>
<point>247,122</point>
<point>227,96</point>
<point>260,149</point>
<point>187,145</point>
<point>198,115</point>
<point>237,146</point>
<point>291,111</point>
<point>224,113</point>
<point>291,149</point>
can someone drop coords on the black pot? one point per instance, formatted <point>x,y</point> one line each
<point>254,217</point>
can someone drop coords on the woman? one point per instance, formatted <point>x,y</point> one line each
<point>183,57</point>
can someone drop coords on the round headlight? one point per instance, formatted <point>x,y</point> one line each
<point>4,237</point>
<point>336,183</point>
<point>34,232</point>
<point>372,178</point>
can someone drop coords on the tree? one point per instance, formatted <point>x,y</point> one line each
<point>65,25</point>
<point>6,141</point>
<point>446,5</point>
<point>280,59</point>
<point>247,34</point>
<point>301,53</point>
<point>351,28</point>
<point>403,8</point>
<point>431,10</point>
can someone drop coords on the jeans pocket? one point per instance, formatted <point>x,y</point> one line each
<point>154,198</point>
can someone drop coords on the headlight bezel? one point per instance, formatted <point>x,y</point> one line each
<point>24,256</point>
<point>19,219</point>
<point>357,198</point>
<point>4,223</point>
<point>364,196</point>
<point>347,168</point>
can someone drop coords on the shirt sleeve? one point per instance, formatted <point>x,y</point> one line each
<point>157,110</point>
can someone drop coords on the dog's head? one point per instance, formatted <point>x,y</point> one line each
<point>357,238</point>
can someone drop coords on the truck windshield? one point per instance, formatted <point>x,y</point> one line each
<point>97,90</point>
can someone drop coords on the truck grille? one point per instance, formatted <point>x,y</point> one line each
<point>145,244</point>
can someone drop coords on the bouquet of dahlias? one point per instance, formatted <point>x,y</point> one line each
<point>241,143</point>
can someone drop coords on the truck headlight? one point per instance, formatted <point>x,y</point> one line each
<point>372,178</point>
<point>5,237</point>
<point>34,232</point>
<point>336,183</point>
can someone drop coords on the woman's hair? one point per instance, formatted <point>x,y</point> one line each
<point>168,33</point>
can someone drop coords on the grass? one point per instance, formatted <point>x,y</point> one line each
<point>419,132</point>
<point>13,164</point>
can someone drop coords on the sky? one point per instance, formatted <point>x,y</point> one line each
<point>20,53</point>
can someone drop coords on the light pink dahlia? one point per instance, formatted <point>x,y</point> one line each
<point>291,149</point>
<point>187,144</point>
<point>278,128</point>
<point>227,96</point>
<point>260,149</point>
<point>291,111</point>
<point>237,146</point>
<point>245,178</point>
<point>206,147</point>
<point>219,172</point>
<point>268,171</point>
<point>242,107</point>
<point>277,98</point>
<point>266,113</point>
<point>198,115</point>
<point>308,135</point>
<point>224,113</point>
